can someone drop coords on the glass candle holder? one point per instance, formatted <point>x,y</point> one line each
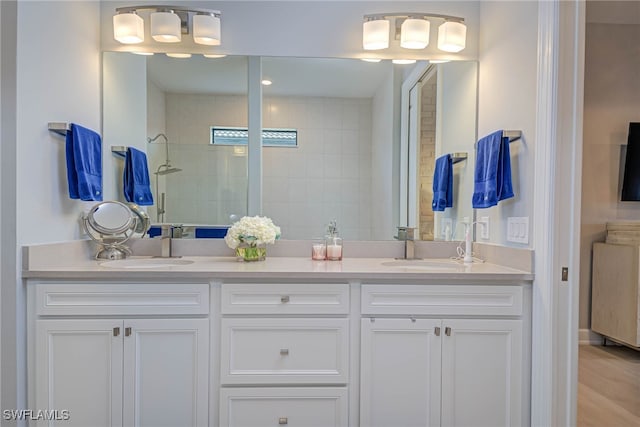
<point>334,248</point>
<point>319,249</point>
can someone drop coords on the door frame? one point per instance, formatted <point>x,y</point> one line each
<point>556,215</point>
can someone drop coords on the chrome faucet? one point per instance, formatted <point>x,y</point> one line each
<point>407,235</point>
<point>169,232</point>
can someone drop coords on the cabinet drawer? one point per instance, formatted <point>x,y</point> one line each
<point>293,407</point>
<point>290,298</point>
<point>447,300</point>
<point>121,299</point>
<point>284,351</point>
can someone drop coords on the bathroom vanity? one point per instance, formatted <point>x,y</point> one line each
<point>287,341</point>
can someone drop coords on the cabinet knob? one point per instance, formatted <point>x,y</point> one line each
<point>284,299</point>
<point>283,420</point>
<point>127,332</point>
<point>437,331</point>
<point>447,331</point>
<point>116,331</point>
<point>284,351</point>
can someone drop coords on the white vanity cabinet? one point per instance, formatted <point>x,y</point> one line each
<point>284,354</point>
<point>448,355</point>
<point>120,354</point>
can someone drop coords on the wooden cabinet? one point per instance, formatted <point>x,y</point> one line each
<point>615,292</point>
<point>284,354</point>
<point>442,371</point>
<point>120,371</point>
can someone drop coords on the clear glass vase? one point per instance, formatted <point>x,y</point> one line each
<point>246,252</point>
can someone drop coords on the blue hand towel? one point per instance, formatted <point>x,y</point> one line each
<point>137,188</point>
<point>443,183</point>
<point>84,163</point>
<point>492,179</point>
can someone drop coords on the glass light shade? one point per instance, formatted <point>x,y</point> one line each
<point>206,30</point>
<point>375,34</point>
<point>371,59</point>
<point>214,55</point>
<point>414,33</point>
<point>165,27</point>
<point>178,55</point>
<point>452,36</point>
<point>142,53</point>
<point>128,28</point>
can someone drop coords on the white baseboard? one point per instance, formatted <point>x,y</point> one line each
<point>588,337</point>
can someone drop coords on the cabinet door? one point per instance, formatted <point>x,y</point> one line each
<point>481,373</point>
<point>166,372</point>
<point>78,367</point>
<point>400,373</point>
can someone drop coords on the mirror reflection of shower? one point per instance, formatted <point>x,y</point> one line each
<point>163,169</point>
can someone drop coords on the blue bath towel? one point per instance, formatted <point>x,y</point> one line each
<point>137,188</point>
<point>443,183</point>
<point>492,178</point>
<point>84,163</point>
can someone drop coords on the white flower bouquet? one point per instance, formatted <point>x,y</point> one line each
<point>252,231</point>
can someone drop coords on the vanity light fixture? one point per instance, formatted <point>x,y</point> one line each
<point>167,24</point>
<point>214,55</point>
<point>371,59</point>
<point>412,29</point>
<point>143,53</point>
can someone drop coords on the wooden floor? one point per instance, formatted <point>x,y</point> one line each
<point>608,387</point>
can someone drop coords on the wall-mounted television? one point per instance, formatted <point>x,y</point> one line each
<point>631,182</point>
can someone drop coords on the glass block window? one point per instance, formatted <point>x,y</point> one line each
<point>240,136</point>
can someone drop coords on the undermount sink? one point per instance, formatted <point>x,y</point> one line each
<point>146,263</point>
<point>424,264</point>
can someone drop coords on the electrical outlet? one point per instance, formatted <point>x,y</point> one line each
<point>518,229</point>
<point>483,225</point>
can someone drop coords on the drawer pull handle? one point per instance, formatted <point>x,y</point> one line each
<point>437,331</point>
<point>127,332</point>
<point>116,332</point>
<point>284,299</point>
<point>283,420</point>
<point>447,331</point>
<point>284,351</point>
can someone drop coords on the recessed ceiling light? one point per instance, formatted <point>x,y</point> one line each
<point>179,55</point>
<point>213,55</point>
<point>371,59</point>
<point>404,61</point>
<point>266,82</point>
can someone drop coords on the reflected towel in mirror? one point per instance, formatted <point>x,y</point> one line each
<point>137,187</point>
<point>443,183</point>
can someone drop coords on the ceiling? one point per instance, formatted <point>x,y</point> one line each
<point>327,77</point>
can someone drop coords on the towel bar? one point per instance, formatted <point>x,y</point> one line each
<point>513,135</point>
<point>119,150</point>
<point>459,157</point>
<point>60,128</point>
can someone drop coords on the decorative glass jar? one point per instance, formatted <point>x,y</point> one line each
<point>248,252</point>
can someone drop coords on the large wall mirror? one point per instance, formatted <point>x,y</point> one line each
<point>344,164</point>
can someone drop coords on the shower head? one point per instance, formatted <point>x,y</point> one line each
<point>167,170</point>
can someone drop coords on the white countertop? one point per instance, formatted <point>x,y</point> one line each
<point>274,268</point>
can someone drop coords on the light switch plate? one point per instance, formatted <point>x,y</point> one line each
<point>518,229</point>
<point>483,226</point>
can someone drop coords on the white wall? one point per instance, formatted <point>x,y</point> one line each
<point>611,101</point>
<point>124,115</point>
<point>58,66</point>
<point>384,148</point>
<point>507,100</point>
